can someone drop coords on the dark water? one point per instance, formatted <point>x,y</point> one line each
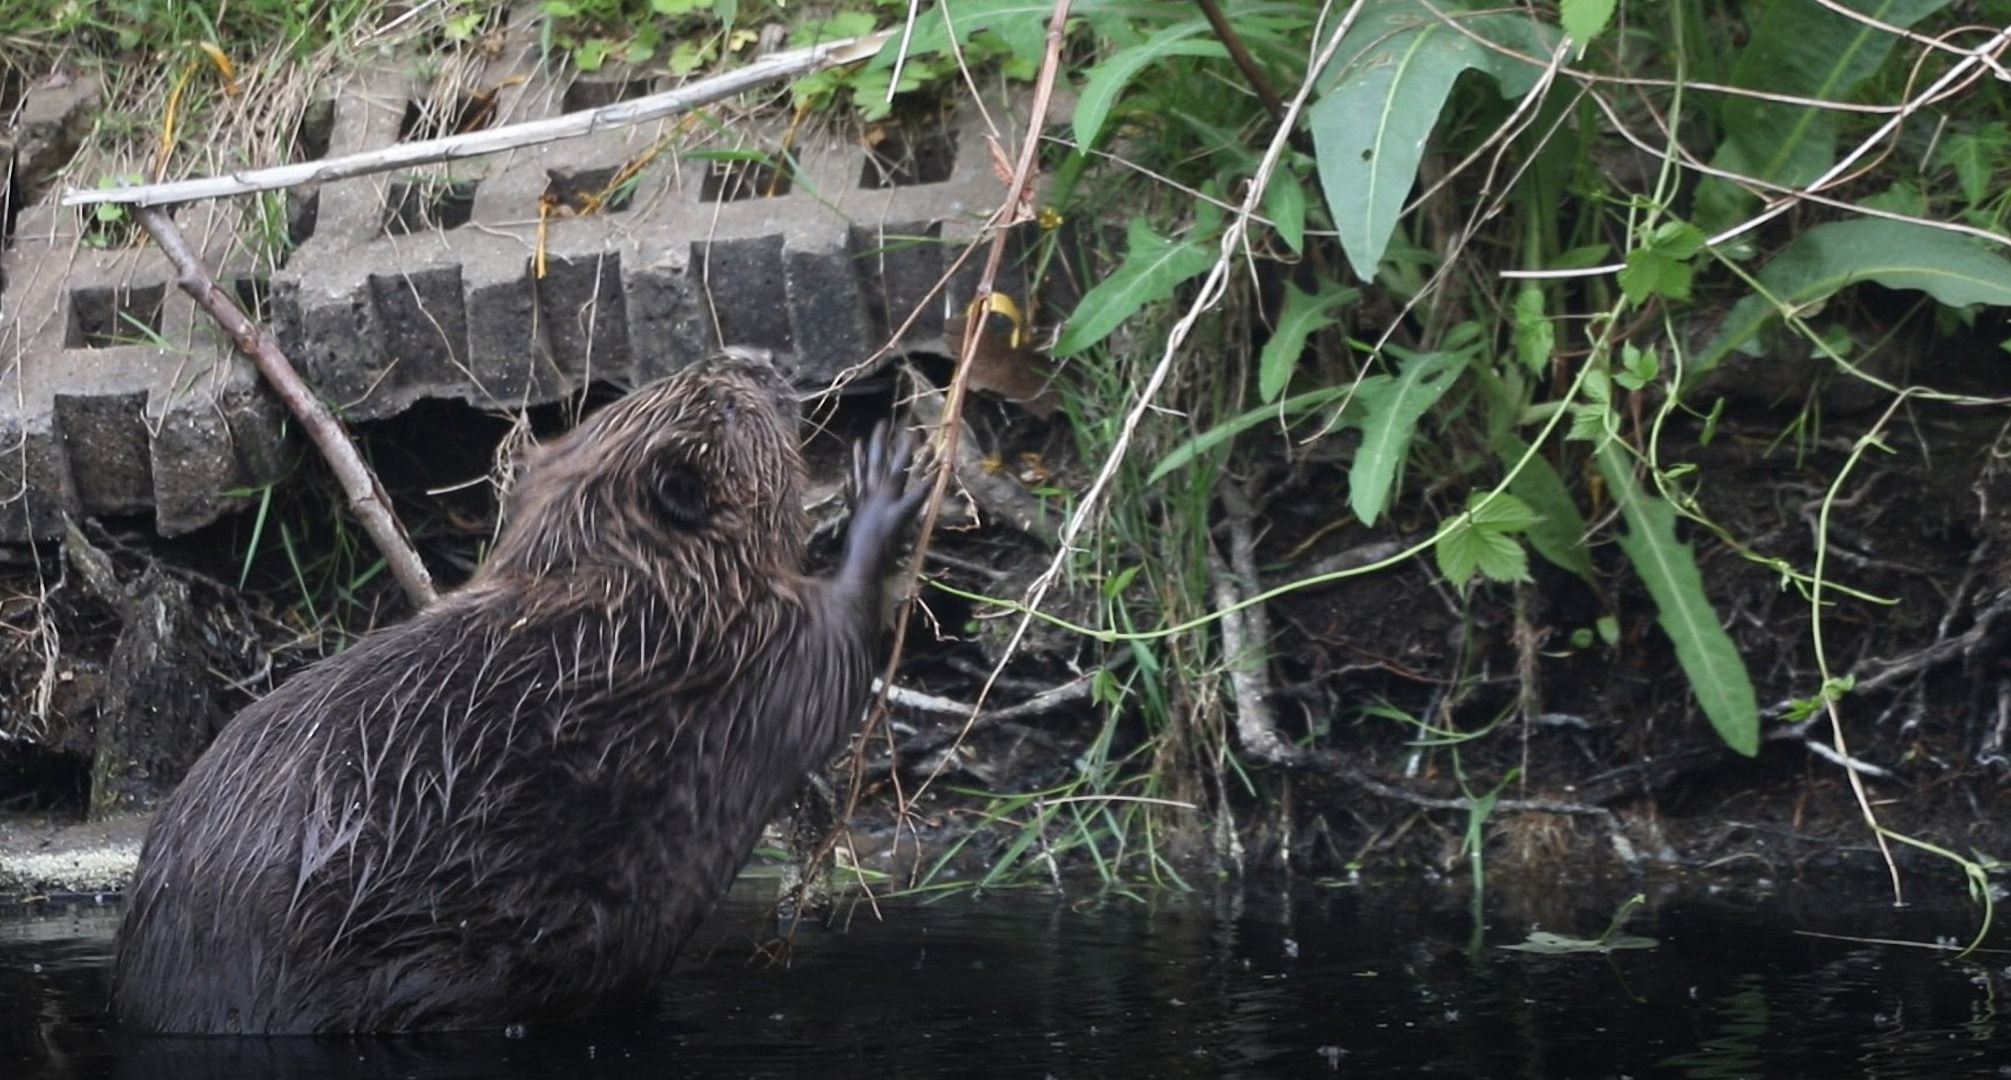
<point>1367,979</point>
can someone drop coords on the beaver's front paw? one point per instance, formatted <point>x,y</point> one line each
<point>883,503</point>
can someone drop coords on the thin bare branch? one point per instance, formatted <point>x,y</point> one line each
<point>508,137</point>
<point>366,496</point>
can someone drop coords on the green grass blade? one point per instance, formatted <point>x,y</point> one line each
<point>1285,411</point>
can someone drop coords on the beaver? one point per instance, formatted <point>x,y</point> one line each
<point>515,806</point>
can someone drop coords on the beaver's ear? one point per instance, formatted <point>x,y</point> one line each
<point>677,494</point>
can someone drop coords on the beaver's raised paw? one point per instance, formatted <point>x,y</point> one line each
<point>883,502</point>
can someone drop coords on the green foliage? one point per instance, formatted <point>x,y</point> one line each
<point>1661,265</point>
<point>590,32</point>
<point>1668,567</point>
<point>1977,156</point>
<point>1483,542</point>
<point>1288,411</point>
<point>1304,315</point>
<point>1896,254</point>
<point>1391,406</point>
<point>1584,20</point>
<point>1153,267</point>
<point>1396,69</point>
<point>1799,50</point>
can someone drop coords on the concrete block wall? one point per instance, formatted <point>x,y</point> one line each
<point>118,397</point>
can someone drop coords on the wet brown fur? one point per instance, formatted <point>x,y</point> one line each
<point>517,805</point>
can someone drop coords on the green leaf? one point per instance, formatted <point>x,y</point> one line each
<point>1902,197</point>
<point>1535,335</point>
<point>1668,567</point>
<point>1285,203</point>
<point>1638,366</point>
<point>1976,156</point>
<point>1803,50</point>
<point>1390,409</point>
<point>1485,541</point>
<point>1372,117</point>
<point>1661,265</point>
<point>691,54</point>
<point>1558,533</point>
<point>1285,411</point>
<point>1104,83</point>
<point>590,54</point>
<point>1500,513</point>
<point>1896,254</point>
<point>1305,314</point>
<point>1120,581</point>
<point>845,24</point>
<point>1153,267</point>
<point>1585,19</point>
<point>1552,944</point>
<point>1020,24</point>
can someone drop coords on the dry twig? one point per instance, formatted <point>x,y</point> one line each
<point>508,137</point>
<point>366,496</point>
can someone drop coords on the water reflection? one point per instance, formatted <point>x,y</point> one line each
<point>1364,980</point>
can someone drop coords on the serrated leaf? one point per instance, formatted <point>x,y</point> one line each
<point>1153,267</point>
<point>1456,555</point>
<point>1468,549</point>
<point>1500,513</point>
<point>1304,315</point>
<point>1668,567</point>
<point>1588,423</point>
<point>1373,116</point>
<point>1975,156</point>
<point>1105,82</point>
<point>1585,19</point>
<point>1895,254</point>
<point>1535,335</point>
<point>1638,366</point>
<point>1390,409</point>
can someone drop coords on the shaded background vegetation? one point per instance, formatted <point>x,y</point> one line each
<point>1483,432</point>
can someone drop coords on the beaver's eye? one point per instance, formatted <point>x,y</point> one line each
<point>679,495</point>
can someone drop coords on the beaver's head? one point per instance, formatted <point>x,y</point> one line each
<point>695,476</point>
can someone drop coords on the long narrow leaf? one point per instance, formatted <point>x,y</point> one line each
<point>1668,567</point>
<point>1806,50</point>
<point>1104,82</point>
<point>1153,267</point>
<point>1390,408</point>
<point>1896,254</point>
<point>1285,411</point>
<point>1304,315</point>
<point>1559,533</point>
